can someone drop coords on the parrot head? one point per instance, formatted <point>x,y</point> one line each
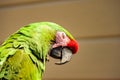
<point>63,48</point>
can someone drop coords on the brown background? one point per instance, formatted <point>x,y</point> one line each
<point>94,23</point>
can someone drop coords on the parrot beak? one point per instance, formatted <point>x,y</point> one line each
<point>62,53</point>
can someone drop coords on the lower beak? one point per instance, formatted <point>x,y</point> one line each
<point>66,56</point>
<point>62,53</point>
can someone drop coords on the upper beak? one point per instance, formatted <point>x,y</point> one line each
<point>62,53</point>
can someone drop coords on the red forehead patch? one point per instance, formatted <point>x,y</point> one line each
<point>73,45</point>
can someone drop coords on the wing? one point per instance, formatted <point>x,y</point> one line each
<point>20,66</point>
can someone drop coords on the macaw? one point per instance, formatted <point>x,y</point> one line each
<point>23,54</point>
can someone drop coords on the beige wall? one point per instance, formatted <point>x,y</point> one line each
<point>94,23</point>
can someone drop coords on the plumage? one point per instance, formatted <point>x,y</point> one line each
<point>23,55</point>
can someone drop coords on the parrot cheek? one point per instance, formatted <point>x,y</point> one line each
<point>62,53</point>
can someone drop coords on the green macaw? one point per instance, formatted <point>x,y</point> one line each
<point>23,55</point>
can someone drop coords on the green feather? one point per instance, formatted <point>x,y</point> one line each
<point>23,54</point>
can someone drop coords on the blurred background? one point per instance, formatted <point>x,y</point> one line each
<point>94,23</point>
